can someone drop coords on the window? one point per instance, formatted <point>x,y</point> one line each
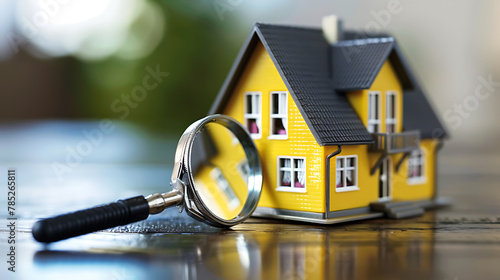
<point>229,196</point>
<point>244,170</point>
<point>252,114</point>
<point>416,167</point>
<point>278,115</point>
<point>292,174</point>
<point>347,174</point>
<point>390,112</point>
<point>373,111</point>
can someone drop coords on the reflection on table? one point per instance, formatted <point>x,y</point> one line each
<point>294,254</point>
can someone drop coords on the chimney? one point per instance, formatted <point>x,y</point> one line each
<point>332,28</point>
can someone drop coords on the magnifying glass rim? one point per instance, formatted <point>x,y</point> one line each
<point>192,195</point>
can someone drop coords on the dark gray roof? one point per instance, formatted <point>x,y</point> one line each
<point>418,114</point>
<point>356,63</point>
<point>303,59</point>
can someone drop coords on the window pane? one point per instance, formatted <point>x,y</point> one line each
<point>393,105</point>
<point>300,179</point>
<point>231,196</point>
<point>256,104</point>
<point>225,187</point>
<point>351,162</point>
<point>340,163</point>
<point>415,164</point>
<point>252,126</point>
<point>278,127</point>
<point>275,103</point>
<point>244,170</point>
<point>249,104</point>
<point>282,105</point>
<point>278,114</point>
<point>285,162</point>
<point>370,106</point>
<point>285,178</point>
<point>390,106</point>
<point>350,180</point>
<point>299,163</point>
<point>339,181</point>
<point>376,107</point>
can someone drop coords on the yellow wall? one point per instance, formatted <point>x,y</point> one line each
<point>368,185</point>
<point>421,190</point>
<point>261,75</point>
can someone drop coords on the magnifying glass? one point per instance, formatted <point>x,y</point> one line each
<point>217,179</point>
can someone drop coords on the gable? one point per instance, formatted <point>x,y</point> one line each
<point>260,77</point>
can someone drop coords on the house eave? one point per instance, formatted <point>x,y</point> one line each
<point>350,143</point>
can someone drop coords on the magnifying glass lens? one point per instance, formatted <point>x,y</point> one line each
<point>220,170</point>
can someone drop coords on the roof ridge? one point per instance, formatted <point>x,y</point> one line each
<point>258,24</point>
<point>364,41</point>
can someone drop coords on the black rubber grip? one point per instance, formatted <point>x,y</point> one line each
<point>86,221</point>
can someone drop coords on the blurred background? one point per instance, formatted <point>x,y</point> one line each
<point>65,65</point>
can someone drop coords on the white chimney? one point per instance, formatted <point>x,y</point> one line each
<point>331,28</point>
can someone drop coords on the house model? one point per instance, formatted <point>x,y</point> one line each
<point>343,129</point>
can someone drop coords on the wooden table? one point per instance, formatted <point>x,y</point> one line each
<point>459,242</point>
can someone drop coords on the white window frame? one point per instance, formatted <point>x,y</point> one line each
<point>282,114</point>
<point>345,168</point>
<point>292,169</point>
<point>411,161</point>
<point>257,116</point>
<point>388,107</point>
<point>374,121</point>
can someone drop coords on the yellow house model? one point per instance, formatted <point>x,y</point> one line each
<point>342,127</point>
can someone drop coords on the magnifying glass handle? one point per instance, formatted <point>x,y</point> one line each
<point>118,213</point>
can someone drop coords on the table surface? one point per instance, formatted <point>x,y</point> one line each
<point>458,242</point>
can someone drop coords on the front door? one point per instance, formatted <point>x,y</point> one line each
<point>384,193</point>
